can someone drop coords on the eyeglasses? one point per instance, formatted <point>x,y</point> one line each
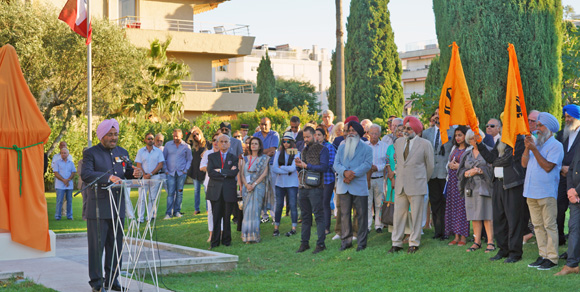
<point>408,129</point>
<point>263,124</point>
<point>195,134</point>
<point>532,121</point>
<point>237,136</point>
<point>214,140</point>
<point>149,138</point>
<point>490,126</point>
<point>286,141</point>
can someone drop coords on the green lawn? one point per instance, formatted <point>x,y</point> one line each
<point>273,265</point>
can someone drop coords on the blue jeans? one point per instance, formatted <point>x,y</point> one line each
<point>292,194</point>
<point>175,193</point>
<point>197,184</point>
<point>60,193</point>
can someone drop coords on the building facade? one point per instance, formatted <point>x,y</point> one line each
<point>202,46</point>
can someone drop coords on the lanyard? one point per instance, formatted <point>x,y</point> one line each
<point>251,162</point>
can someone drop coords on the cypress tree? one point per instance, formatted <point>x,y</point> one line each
<point>331,93</point>
<point>373,67</point>
<point>266,83</point>
<point>483,29</point>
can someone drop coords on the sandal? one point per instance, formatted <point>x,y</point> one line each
<point>474,248</point>
<point>461,243</point>
<point>454,242</point>
<point>490,249</point>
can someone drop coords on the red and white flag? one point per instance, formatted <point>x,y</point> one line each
<point>74,13</point>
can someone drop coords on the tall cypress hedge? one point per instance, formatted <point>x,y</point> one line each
<point>266,83</point>
<point>373,68</point>
<point>483,29</point>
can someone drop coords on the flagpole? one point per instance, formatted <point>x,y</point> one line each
<point>89,82</point>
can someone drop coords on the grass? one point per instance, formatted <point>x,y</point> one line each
<point>273,265</point>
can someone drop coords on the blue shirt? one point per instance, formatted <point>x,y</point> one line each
<point>149,160</point>
<point>538,183</point>
<point>177,159</point>
<point>286,175</point>
<point>329,176</point>
<point>272,139</point>
<point>65,169</point>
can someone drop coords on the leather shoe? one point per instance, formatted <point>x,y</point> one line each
<point>345,246</point>
<point>437,236</point>
<point>512,260</point>
<point>444,237</point>
<point>318,249</point>
<point>395,249</point>
<point>303,247</point>
<point>412,249</point>
<point>567,270</point>
<point>379,230</point>
<point>563,256</point>
<point>114,287</point>
<point>359,248</point>
<point>497,257</point>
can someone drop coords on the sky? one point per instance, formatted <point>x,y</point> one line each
<point>304,23</point>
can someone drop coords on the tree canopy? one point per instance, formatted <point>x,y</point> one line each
<point>293,93</point>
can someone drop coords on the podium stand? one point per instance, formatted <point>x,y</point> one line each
<point>137,232</point>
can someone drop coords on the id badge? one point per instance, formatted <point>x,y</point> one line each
<point>248,179</point>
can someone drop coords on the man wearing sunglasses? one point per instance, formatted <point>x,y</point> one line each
<point>493,130</point>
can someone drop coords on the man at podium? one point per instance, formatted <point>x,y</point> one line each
<point>105,160</point>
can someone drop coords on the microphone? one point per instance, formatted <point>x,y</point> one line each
<point>126,160</point>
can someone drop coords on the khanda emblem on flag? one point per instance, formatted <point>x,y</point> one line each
<point>447,109</point>
<point>519,113</point>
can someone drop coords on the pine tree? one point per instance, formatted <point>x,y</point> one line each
<point>266,83</point>
<point>483,30</point>
<point>373,67</point>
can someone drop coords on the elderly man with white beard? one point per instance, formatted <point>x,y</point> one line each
<point>570,139</point>
<point>543,160</point>
<point>352,162</point>
<point>415,163</point>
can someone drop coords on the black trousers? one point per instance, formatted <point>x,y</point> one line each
<point>326,198</point>
<point>107,241</point>
<point>437,200</point>
<point>361,205</point>
<point>509,220</point>
<point>222,210</point>
<point>562,202</point>
<point>311,202</point>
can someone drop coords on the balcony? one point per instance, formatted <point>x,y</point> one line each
<point>218,97</point>
<point>137,22</point>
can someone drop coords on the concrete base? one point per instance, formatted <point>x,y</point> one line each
<point>15,251</point>
<point>11,274</point>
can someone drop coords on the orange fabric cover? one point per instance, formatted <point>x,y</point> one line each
<point>21,124</point>
<point>515,115</point>
<point>455,107</point>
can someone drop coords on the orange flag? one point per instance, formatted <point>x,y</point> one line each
<point>515,115</point>
<point>455,106</point>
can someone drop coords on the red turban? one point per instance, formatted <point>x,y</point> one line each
<point>350,119</point>
<point>414,123</point>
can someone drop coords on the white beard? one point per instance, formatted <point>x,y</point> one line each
<point>571,128</point>
<point>501,148</point>
<point>350,147</point>
<point>543,137</point>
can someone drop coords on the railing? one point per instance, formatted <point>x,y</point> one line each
<point>228,87</point>
<point>137,22</point>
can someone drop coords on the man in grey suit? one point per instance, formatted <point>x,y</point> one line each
<point>414,156</point>
<point>438,178</point>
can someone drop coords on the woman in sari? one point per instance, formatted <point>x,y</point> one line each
<point>455,218</point>
<point>254,180</point>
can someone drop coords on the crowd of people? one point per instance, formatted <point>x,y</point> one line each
<point>474,187</point>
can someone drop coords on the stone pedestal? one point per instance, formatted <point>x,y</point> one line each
<point>16,251</point>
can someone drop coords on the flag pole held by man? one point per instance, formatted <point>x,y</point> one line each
<point>455,107</point>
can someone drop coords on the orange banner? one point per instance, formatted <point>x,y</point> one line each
<point>455,107</point>
<point>515,115</point>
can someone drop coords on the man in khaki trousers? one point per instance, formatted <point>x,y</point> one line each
<point>414,156</point>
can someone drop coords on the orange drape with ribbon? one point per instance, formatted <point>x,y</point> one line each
<point>23,131</point>
<point>455,107</point>
<point>515,115</point>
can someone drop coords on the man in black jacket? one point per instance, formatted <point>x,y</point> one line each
<point>509,204</point>
<point>105,159</point>
<point>222,168</point>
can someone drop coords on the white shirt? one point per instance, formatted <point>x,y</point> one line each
<point>495,138</point>
<point>572,138</point>
<point>149,160</point>
<point>203,163</point>
<point>410,143</point>
<point>379,157</point>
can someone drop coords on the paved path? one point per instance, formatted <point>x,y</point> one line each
<point>68,271</point>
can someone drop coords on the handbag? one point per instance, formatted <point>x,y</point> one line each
<point>313,178</point>
<point>388,211</point>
